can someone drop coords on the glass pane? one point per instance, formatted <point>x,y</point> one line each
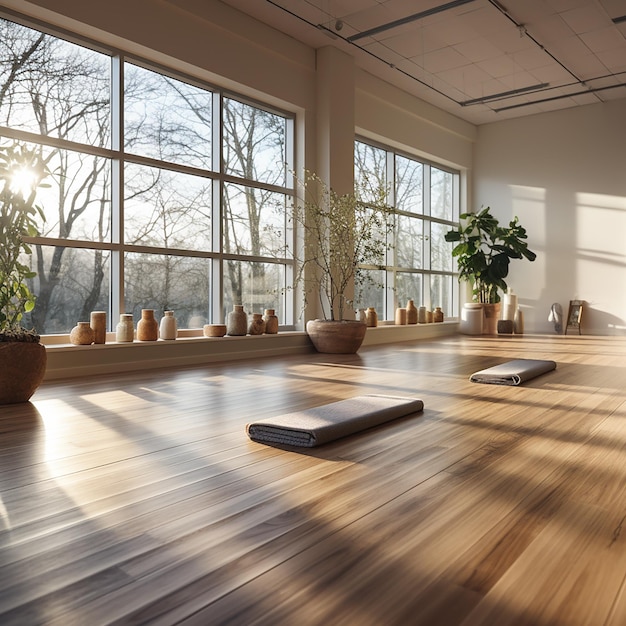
<point>370,167</point>
<point>167,283</point>
<point>409,287</point>
<point>441,194</point>
<point>441,294</point>
<point>409,242</point>
<point>440,249</point>
<point>76,202</point>
<point>254,221</point>
<point>254,143</point>
<point>73,283</point>
<point>255,285</point>
<point>370,291</point>
<point>52,87</point>
<point>167,209</point>
<point>409,185</point>
<point>166,119</point>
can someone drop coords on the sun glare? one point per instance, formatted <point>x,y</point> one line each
<point>23,181</point>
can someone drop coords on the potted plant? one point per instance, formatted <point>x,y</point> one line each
<point>483,250</point>
<point>341,232</point>
<point>22,356</point>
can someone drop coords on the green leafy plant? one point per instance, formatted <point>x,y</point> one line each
<point>484,250</point>
<point>341,233</point>
<point>21,173</point>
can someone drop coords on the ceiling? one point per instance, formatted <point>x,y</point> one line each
<point>482,60</point>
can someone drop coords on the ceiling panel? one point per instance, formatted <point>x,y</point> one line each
<point>562,53</point>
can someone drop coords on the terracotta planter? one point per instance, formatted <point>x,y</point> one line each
<point>490,321</point>
<point>336,337</point>
<point>22,368</point>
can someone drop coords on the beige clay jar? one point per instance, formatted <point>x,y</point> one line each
<point>147,327</point>
<point>82,334</point>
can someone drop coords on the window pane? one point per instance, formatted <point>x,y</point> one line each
<point>370,166</point>
<point>370,291</point>
<point>166,119</point>
<point>409,185</point>
<point>409,242</point>
<point>255,285</point>
<point>409,287</point>
<point>167,209</point>
<point>440,249</point>
<point>73,283</point>
<point>76,200</point>
<point>53,87</point>
<point>254,221</point>
<point>168,283</point>
<point>254,143</point>
<point>441,196</point>
<point>441,290</point>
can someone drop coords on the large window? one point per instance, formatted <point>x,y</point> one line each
<point>165,193</point>
<point>425,200</point>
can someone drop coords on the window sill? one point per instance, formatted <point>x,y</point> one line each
<point>69,361</point>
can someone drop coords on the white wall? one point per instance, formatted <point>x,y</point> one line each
<point>564,174</point>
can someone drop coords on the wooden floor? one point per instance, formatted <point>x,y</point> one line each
<point>138,499</point>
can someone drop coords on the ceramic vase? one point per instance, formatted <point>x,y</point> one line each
<point>421,315</point>
<point>237,322</point>
<point>438,315</point>
<point>371,317</point>
<point>472,319</point>
<point>257,325</point>
<point>82,334</point>
<point>400,316</point>
<point>168,328</point>
<point>147,327</point>
<point>271,322</point>
<point>125,330</point>
<point>98,323</point>
<point>411,312</point>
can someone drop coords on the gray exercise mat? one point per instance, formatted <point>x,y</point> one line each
<point>319,425</point>
<point>513,372</point>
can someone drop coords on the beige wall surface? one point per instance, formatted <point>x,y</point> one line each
<point>564,175</point>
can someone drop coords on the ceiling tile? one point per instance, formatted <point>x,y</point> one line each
<point>549,29</point>
<point>500,66</point>
<point>584,19</point>
<point>478,49</point>
<point>444,59</point>
<point>614,60</point>
<point>604,39</point>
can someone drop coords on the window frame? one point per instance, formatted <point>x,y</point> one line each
<point>117,157</point>
<point>392,269</point>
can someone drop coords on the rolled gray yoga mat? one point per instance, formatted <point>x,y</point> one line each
<point>513,372</point>
<point>319,425</point>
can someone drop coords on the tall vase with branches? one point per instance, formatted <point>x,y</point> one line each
<point>341,233</point>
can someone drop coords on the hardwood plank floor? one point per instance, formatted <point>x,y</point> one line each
<point>139,499</point>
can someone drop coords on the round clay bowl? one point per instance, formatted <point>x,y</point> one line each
<point>214,330</point>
